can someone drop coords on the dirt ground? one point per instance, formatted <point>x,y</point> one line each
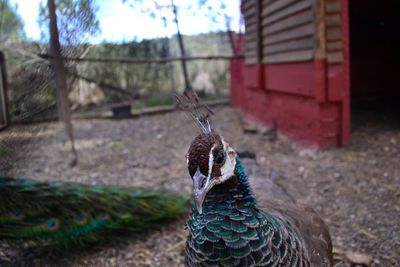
<point>355,189</point>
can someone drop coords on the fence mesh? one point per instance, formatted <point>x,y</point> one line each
<point>97,87</point>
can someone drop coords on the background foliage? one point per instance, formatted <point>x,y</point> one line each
<point>31,91</point>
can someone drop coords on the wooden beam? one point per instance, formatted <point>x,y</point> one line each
<point>320,30</point>
<point>104,113</point>
<point>250,20</point>
<point>251,11</point>
<point>334,34</point>
<point>247,4</point>
<point>290,22</point>
<point>251,27</point>
<point>251,45</point>
<point>335,57</point>
<point>276,6</point>
<point>250,60</point>
<point>294,33</point>
<point>109,87</point>
<point>334,7</point>
<point>334,45</point>
<point>295,8</point>
<point>333,20</point>
<point>291,56</point>
<point>266,2</point>
<point>258,32</point>
<point>143,60</point>
<point>298,44</point>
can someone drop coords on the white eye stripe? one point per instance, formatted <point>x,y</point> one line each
<point>224,143</point>
<point>211,156</point>
<point>224,146</point>
<point>210,161</point>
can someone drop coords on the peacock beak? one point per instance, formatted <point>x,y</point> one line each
<point>201,186</point>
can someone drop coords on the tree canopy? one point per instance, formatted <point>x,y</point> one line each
<point>76,20</point>
<point>11,26</point>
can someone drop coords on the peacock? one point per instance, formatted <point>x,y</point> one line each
<point>232,225</point>
<point>73,215</point>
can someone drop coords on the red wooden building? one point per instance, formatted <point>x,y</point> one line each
<point>305,59</point>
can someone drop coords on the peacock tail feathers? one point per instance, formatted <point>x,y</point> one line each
<point>73,213</point>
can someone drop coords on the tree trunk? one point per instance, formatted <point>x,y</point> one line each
<point>188,86</point>
<point>64,111</point>
<point>229,32</point>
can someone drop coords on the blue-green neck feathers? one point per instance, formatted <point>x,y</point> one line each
<point>236,190</point>
<point>232,231</point>
<point>244,184</point>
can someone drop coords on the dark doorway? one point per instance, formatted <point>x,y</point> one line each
<point>375,57</point>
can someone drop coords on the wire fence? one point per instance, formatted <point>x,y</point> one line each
<point>103,80</point>
<point>99,83</point>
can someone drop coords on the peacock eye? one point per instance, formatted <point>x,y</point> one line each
<point>219,157</point>
<point>52,224</point>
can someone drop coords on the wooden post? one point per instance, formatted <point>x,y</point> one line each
<point>60,80</point>
<point>4,112</point>
<point>320,30</point>
<point>259,31</point>
<point>259,47</point>
<point>320,51</point>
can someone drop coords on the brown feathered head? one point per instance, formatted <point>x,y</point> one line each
<point>210,159</point>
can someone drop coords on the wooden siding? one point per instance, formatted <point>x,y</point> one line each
<point>287,30</point>
<point>278,31</point>
<point>251,37</point>
<point>334,42</point>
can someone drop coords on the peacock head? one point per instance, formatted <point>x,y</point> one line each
<point>211,161</point>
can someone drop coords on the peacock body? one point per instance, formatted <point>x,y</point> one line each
<point>74,214</point>
<point>228,227</point>
<point>233,231</point>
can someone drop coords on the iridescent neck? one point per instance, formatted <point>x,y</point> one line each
<point>236,188</point>
<point>244,185</point>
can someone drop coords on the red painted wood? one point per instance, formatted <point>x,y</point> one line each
<point>292,78</point>
<point>329,124</point>
<point>320,80</point>
<point>253,75</point>
<point>336,82</point>
<point>236,73</point>
<point>294,117</point>
<point>239,45</point>
<point>307,101</point>
<point>297,113</point>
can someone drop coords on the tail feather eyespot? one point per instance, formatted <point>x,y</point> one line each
<point>53,224</point>
<point>80,218</point>
<point>18,214</point>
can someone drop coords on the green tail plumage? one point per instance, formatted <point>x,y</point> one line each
<point>76,214</point>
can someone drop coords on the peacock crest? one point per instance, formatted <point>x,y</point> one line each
<point>199,112</point>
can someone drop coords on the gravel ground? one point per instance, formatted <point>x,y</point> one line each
<point>356,189</point>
